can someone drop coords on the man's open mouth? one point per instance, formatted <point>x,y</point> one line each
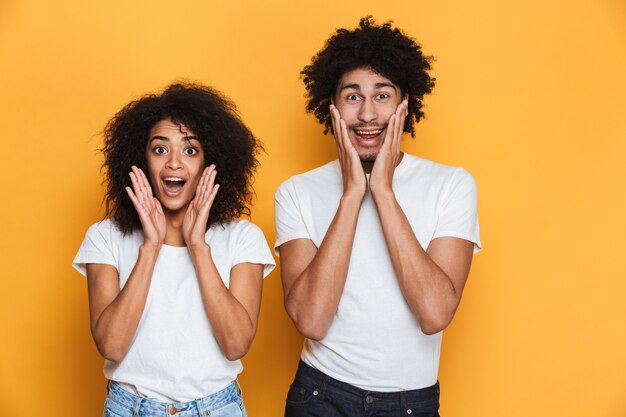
<point>368,133</point>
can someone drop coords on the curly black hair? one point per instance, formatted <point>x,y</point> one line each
<point>382,48</point>
<point>225,139</point>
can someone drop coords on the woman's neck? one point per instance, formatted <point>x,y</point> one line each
<point>174,227</point>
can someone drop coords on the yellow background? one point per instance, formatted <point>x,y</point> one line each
<point>530,98</point>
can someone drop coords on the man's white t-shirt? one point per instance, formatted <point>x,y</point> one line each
<point>375,342</point>
<point>174,356</point>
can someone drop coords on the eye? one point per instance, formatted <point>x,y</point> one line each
<point>159,150</point>
<point>382,96</point>
<point>352,97</point>
<point>190,151</point>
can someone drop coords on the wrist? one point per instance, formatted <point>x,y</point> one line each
<point>150,248</point>
<point>198,250</point>
<point>352,199</point>
<point>382,193</point>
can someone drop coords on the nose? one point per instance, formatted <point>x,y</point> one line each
<point>367,112</point>
<point>173,162</point>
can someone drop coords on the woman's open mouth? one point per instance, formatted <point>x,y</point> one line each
<point>173,186</point>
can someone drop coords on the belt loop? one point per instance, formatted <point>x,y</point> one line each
<point>137,409</point>
<point>325,382</point>
<point>200,407</point>
<point>238,386</point>
<point>403,400</point>
<point>108,387</point>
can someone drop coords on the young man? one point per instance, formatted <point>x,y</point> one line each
<point>376,246</point>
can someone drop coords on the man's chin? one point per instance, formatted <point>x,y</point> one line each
<point>370,158</point>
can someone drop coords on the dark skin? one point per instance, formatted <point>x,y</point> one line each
<point>175,220</point>
<point>313,278</point>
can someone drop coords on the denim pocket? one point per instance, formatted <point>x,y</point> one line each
<point>426,408</point>
<point>299,394</point>
<point>229,410</point>
<point>111,409</point>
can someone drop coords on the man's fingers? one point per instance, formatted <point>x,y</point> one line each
<point>400,116</point>
<point>390,133</point>
<point>345,141</point>
<point>336,119</point>
<point>398,128</point>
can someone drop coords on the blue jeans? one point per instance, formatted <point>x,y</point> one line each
<point>225,403</point>
<point>314,393</point>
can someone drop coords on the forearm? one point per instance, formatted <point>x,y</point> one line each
<point>428,290</point>
<point>115,327</point>
<point>312,299</point>
<point>233,326</point>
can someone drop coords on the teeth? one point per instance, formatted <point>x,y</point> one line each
<point>369,132</point>
<point>173,179</point>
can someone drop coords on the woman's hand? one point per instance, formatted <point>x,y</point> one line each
<point>197,215</point>
<point>148,207</point>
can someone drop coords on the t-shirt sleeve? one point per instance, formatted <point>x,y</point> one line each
<point>458,211</point>
<point>288,216</point>
<point>96,248</point>
<point>253,248</point>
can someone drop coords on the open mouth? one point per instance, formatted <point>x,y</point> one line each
<point>173,185</point>
<point>368,136</point>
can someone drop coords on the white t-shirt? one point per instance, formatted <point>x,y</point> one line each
<point>174,356</point>
<point>374,341</point>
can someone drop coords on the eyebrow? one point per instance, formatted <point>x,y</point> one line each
<point>165,138</point>
<point>357,87</point>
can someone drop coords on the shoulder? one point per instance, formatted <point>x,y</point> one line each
<point>326,173</point>
<point>108,232</point>
<point>106,229</point>
<point>234,229</point>
<point>435,172</point>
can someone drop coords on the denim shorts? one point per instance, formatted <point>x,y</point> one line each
<point>314,393</point>
<point>225,403</point>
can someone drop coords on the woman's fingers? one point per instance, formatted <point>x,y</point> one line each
<point>134,200</point>
<point>206,182</point>
<point>144,182</point>
<point>158,206</point>
<point>137,188</point>
<point>212,195</point>
<point>209,189</point>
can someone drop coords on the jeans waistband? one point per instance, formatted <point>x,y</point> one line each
<point>326,382</point>
<point>140,405</point>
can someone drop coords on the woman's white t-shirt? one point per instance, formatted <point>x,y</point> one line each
<point>174,356</point>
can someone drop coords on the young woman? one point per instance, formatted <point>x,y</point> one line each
<point>174,279</point>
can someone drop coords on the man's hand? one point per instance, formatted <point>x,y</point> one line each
<point>354,181</point>
<point>389,155</point>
